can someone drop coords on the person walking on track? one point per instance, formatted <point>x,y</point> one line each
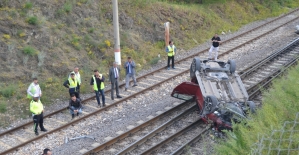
<point>78,78</point>
<point>75,106</point>
<point>170,49</point>
<point>215,46</point>
<point>37,109</point>
<point>34,89</point>
<point>72,84</point>
<point>97,82</point>
<point>130,72</point>
<point>114,79</point>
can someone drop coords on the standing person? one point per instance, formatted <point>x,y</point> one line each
<point>130,72</point>
<point>78,78</point>
<point>37,109</point>
<point>97,82</point>
<point>215,46</point>
<point>72,84</point>
<point>170,49</point>
<point>34,89</point>
<point>114,78</point>
<point>75,106</point>
<point>47,152</point>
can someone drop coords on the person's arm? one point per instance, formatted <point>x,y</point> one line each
<point>103,78</point>
<point>66,84</point>
<point>126,65</point>
<point>80,105</point>
<point>219,40</point>
<point>133,64</point>
<point>166,49</point>
<point>91,83</point>
<point>110,73</point>
<point>28,90</point>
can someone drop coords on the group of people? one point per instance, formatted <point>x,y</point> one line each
<point>171,50</point>
<point>73,84</point>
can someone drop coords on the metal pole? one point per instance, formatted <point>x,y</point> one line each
<point>116,32</point>
<point>166,25</point>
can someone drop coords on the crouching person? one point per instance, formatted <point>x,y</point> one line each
<point>37,109</point>
<point>75,106</point>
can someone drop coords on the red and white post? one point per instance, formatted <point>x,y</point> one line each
<point>116,32</point>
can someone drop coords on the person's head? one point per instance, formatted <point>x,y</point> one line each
<point>47,152</point>
<point>170,42</point>
<point>73,75</point>
<point>216,35</point>
<point>96,72</point>
<point>114,64</point>
<point>73,97</point>
<point>129,59</point>
<point>35,81</point>
<point>76,69</point>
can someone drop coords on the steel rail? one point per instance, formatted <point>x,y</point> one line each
<point>135,129</point>
<point>162,68</point>
<point>153,133</point>
<point>151,73</point>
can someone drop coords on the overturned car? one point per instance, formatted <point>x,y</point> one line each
<point>218,91</point>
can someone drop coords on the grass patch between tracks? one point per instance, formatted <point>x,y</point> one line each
<point>280,104</point>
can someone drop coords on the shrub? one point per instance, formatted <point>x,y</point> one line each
<point>154,61</point>
<point>67,7</point>
<point>8,91</point>
<point>28,6</point>
<point>3,108</point>
<point>91,30</point>
<point>29,50</point>
<point>32,20</point>
<point>6,36</point>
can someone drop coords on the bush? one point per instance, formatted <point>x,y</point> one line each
<point>8,91</point>
<point>29,50</point>
<point>32,20</point>
<point>155,61</point>
<point>28,6</point>
<point>67,7</point>
<point>3,108</point>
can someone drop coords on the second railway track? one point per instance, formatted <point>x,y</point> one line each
<point>16,138</point>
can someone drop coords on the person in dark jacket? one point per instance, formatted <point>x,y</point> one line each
<point>73,85</point>
<point>97,85</point>
<point>75,106</point>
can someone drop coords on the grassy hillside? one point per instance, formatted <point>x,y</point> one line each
<point>46,39</point>
<point>280,104</point>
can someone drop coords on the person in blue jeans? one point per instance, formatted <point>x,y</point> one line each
<point>97,82</point>
<point>75,106</point>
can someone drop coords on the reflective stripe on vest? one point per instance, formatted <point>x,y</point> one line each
<point>32,91</point>
<point>73,83</point>
<point>95,86</point>
<point>170,50</point>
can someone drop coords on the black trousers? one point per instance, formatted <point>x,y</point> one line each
<point>38,120</point>
<point>168,62</point>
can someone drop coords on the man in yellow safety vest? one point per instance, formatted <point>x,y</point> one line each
<point>170,49</point>
<point>73,85</point>
<point>34,89</point>
<point>37,109</point>
<point>97,83</point>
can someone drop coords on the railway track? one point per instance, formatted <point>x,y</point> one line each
<point>14,139</point>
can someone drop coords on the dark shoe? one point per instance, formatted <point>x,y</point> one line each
<point>104,105</point>
<point>168,68</point>
<point>73,116</point>
<point>112,98</point>
<point>173,67</point>
<point>134,85</point>
<point>44,130</point>
<point>77,114</point>
<point>119,96</point>
<point>126,89</point>
<point>36,133</point>
<point>99,105</point>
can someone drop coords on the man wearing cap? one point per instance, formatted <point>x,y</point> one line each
<point>75,106</point>
<point>47,152</point>
<point>72,84</point>
<point>78,78</point>
<point>34,89</point>
<point>37,109</point>
<point>97,83</point>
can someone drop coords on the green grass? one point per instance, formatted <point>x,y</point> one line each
<point>8,91</point>
<point>280,104</point>
<point>28,50</point>
<point>3,107</point>
<point>68,7</point>
<point>33,20</point>
<point>28,5</point>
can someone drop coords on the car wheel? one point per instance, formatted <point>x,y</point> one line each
<point>232,66</point>
<point>195,65</point>
<point>210,103</point>
<point>251,106</point>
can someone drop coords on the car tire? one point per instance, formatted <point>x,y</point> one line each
<point>232,66</point>
<point>211,103</point>
<point>251,106</point>
<point>195,65</point>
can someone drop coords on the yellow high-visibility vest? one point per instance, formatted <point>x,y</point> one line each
<point>95,86</point>
<point>36,107</point>
<point>171,50</point>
